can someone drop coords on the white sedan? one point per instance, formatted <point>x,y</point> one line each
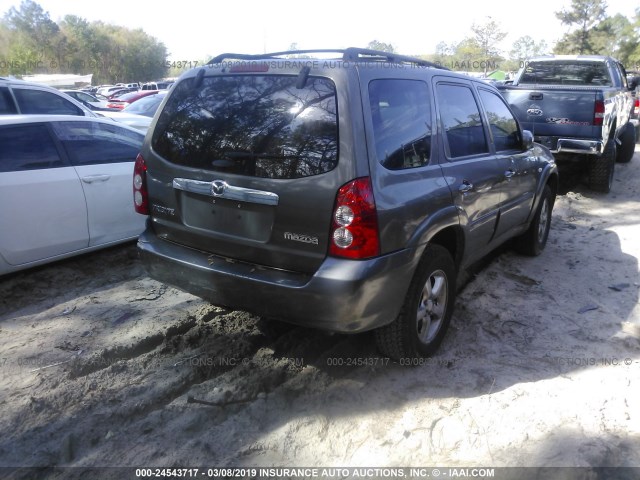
<point>86,98</point>
<point>65,187</point>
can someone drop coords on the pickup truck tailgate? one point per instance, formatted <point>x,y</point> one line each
<point>555,111</point>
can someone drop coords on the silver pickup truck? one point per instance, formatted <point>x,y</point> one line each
<point>579,106</point>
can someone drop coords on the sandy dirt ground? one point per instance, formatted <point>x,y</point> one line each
<point>102,366</point>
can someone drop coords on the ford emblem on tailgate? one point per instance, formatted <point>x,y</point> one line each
<point>534,111</point>
<point>218,187</point>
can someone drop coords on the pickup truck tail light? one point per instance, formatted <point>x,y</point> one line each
<point>598,113</point>
<point>140,195</point>
<point>354,230</point>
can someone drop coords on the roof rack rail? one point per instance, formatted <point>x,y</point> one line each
<point>264,56</point>
<point>351,54</point>
<point>363,54</point>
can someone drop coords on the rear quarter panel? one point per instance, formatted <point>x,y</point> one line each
<point>413,203</point>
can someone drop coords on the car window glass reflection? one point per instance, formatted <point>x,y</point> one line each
<point>20,150</point>
<point>38,101</point>
<point>461,121</point>
<point>251,125</point>
<point>401,117</point>
<point>504,128</point>
<point>89,143</point>
<point>6,102</point>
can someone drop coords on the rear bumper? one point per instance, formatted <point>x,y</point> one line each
<point>343,295</point>
<point>571,145</point>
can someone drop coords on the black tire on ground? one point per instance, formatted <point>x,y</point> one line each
<point>533,241</point>
<point>628,143</point>
<point>601,168</point>
<point>424,319</point>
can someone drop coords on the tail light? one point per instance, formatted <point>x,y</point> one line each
<point>140,195</point>
<point>598,113</point>
<point>636,110</point>
<point>354,230</point>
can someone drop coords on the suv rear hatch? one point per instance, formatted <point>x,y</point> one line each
<point>244,166</point>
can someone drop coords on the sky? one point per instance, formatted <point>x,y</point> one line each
<point>193,30</point>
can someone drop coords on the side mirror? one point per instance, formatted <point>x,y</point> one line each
<point>527,140</point>
<point>633,83</point>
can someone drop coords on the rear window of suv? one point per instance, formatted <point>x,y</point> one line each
<point>253,125</point>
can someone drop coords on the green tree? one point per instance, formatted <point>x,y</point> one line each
<point>30,42</point>
<point>178,67</point>
<point>526,47</point>
<point>381,46</point>
<point>444,54</point>
<point>80,44</point>
<point>33,41</point>
<point>468,56</point>
<point>487,37</point>
<point>32,21</point>
<point>583,17</point>
<point>629,49</point>
<point>608,36</point>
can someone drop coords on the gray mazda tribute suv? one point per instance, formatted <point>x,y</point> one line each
<point>343,193</point>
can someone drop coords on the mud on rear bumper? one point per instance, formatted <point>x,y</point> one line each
<point>347,296</point>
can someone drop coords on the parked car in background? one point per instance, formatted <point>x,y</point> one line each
<point>579,106</point>
<point>86,98</point>
<point>17,96</point>
<point>633,79</point>
<point>106,90</point>
<point>343,195</point>
<point>65,187</point>
<point>96,109</point>
<point>128,98</point>
<point>146,106</point>
<point>139,122</point>
<point>157,85</point>
<point>118,93</point>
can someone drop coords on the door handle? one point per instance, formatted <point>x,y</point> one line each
<point>509,173</point>
<point>465,187</point>
<point>96,178</point>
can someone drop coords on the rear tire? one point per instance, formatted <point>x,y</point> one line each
<point>533,241</point>
<point>426,313</point>
<point>628,143</point>
<point>601,169</point>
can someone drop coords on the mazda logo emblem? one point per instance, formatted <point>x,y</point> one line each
<point>218,187</point>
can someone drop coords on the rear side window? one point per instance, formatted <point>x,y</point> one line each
<point>27,147</point>
<point>566,73</point>
<point>461,121</point>
<point>401,117</point>
<point>39,101</point>
<point>253,125</point>
<point>91,143</point>
<point>84,97</point>
<point>504,128</point>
